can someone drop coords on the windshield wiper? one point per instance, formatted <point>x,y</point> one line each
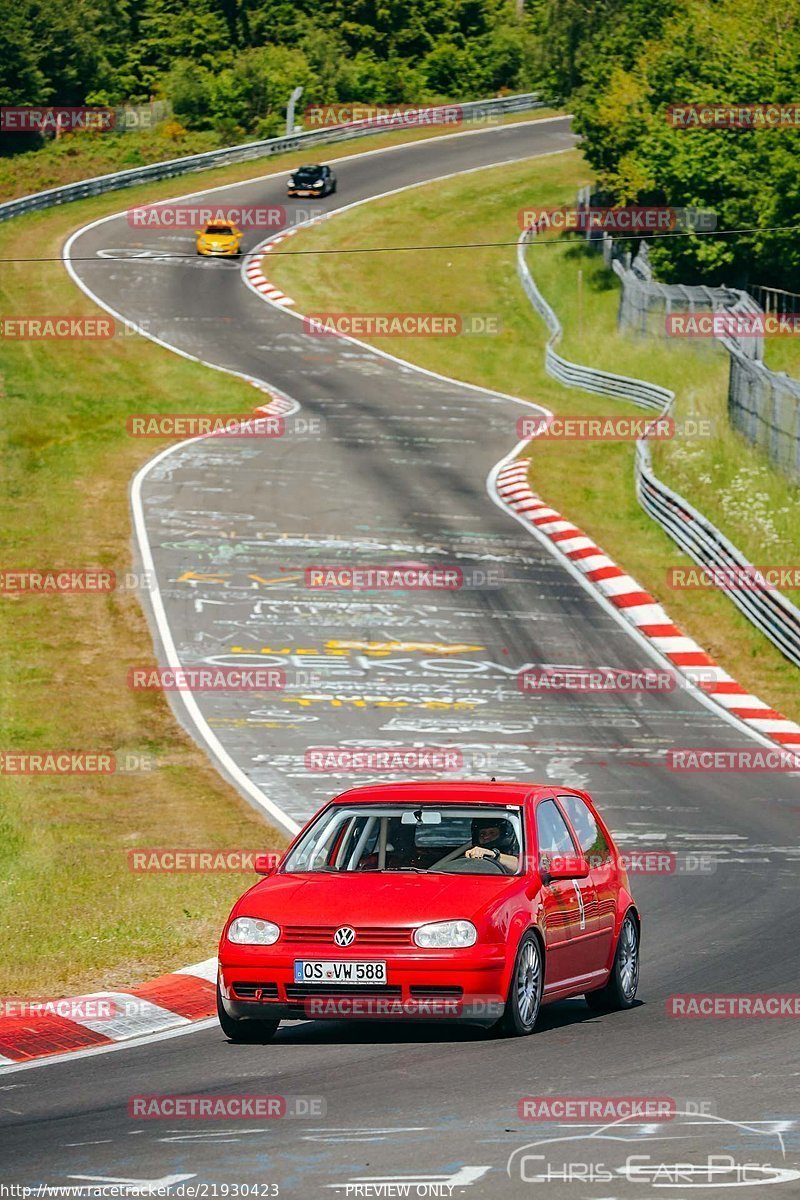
<point>418,870</point>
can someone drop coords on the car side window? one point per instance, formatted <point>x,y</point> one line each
<point>552,833</point>
<point>592,840</point>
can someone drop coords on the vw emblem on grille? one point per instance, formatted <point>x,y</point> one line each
<point>344,936</point>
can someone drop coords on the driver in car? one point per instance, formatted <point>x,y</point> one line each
<point>494,838</point>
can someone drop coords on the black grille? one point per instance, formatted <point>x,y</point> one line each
<point>304,991</point>
<point>247,990</point>
<point>448,992</point>
<point>366,935</point>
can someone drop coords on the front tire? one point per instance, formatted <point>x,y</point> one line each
<point>620,991</point>
<point>524,998</point>
<point>247,1030</point>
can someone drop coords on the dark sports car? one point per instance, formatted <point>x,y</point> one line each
<point>312,181</point>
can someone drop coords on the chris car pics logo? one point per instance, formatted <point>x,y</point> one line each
<point>673,1153</point>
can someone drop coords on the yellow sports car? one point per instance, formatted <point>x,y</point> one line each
<point>223,241</point>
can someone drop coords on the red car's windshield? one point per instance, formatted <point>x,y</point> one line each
<point>469,839</point>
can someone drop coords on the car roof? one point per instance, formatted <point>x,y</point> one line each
<point>466,791</point>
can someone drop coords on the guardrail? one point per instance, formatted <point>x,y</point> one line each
<point>469,111</point>
<point>769,610</point>
<point>575,375</point>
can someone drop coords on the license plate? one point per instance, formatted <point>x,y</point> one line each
<point>324,971</point>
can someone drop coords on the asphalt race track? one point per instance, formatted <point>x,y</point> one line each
<point>390,465</point>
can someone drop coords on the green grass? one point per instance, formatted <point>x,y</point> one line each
<point>591,483</point>
<point>783,354</point>
<point>77,156</point>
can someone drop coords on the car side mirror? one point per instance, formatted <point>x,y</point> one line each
<point>564,866</point>
<point>265,864</point>
<point>199,231</point>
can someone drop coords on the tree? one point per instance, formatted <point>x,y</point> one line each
<point>709,51</point>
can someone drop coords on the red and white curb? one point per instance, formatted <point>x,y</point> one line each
<point>255,274</point>
<point>278,406</point>
<point>641,609</point>
<point>58,1026</point>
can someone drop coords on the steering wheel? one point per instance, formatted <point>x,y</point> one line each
<point>501,866</point>
<point>461,853</point>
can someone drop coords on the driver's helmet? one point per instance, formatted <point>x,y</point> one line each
<point>505,841</point>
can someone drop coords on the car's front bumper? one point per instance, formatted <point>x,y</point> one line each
<point>435,985</point>
<point>214,252</point>
<point>320,191</point>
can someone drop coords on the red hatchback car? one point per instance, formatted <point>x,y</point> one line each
<point>480,901</point>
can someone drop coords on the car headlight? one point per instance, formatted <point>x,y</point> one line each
<point>317,183</point>
<point>446,934</point>
<point>252,931</point>
<point>291,181</point>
